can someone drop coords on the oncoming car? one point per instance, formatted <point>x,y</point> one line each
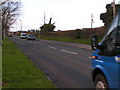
<point>30,37</point>
<point>23,36</point>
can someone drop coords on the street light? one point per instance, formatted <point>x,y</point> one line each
<point>20,24</point>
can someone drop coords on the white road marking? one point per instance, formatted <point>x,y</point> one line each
<point>51,47</point>
<point>48,78</point>
<point>69,52</point>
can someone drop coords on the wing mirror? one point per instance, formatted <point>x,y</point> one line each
<point>94,42</point>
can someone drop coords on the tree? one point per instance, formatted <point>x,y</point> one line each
<point>46,28</point>
<point>78,33</point>
<point>107,17</point>
<point>10,12</point>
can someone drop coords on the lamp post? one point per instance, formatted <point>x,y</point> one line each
<point>20,24</point>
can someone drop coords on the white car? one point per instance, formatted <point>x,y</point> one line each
<point>23,35</point>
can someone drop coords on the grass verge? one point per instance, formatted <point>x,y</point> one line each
<point>65,39</point>
<point>18,71</point>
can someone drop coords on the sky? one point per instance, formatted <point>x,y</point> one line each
<point>67,14</point>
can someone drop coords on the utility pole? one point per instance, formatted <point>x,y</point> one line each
<point>20,24</point>
<point>44,17</point>
<point>92,21</point>
<point>114,8</point>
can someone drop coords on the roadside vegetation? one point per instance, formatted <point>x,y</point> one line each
<point>81,36</point>
<point>11,10</point>
<point>74,36</point>
<point>18,71</point>
<point>65,39</point>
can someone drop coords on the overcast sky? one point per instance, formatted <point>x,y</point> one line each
<point>67,14</point>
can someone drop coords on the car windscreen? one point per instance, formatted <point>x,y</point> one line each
<point>113,25</point>
<point>23,35</point>
<point>31,35</point>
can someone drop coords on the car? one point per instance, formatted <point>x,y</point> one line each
<point>9,35</point>
<point>23,35</point>
<point>105,68</point>
<point>30,37</point>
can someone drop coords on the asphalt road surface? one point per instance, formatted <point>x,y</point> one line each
<point>66,65</point>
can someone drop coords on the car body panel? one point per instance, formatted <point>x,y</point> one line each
<point>109,67</point>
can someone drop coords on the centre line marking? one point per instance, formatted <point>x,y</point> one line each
<point>69,52</point>
<point>52,47</point>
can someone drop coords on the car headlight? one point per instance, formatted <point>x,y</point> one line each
<point>117,59</point>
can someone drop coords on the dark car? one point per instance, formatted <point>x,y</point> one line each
<point>9,35</point>
<point>30,37</point>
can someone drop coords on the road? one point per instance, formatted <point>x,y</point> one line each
<point>66,65</point>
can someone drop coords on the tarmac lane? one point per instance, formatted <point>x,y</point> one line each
<point>67,66</point>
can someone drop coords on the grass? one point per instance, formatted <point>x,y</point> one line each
<point>18,71</point>
<point>71,40</point>
<point>65,39</point>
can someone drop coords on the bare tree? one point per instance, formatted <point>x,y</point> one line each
<point>10,11</point>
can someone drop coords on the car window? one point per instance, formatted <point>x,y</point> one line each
<point>111,40</point>
<point>31,35</point>
<point>23,34</point>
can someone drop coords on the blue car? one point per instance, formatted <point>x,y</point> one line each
<point>105,66</point>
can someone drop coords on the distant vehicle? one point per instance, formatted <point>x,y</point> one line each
<point>9,35</point>
<point>30,37</point>
<point>23,35</point>
<point>106,58</point>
